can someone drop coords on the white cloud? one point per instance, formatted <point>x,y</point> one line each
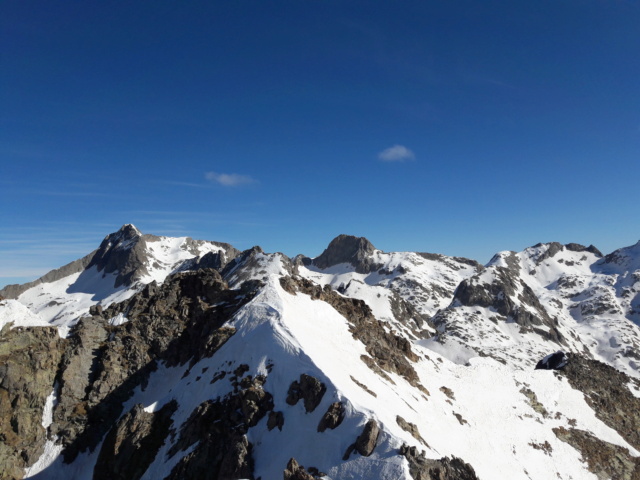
<point>229,179</point>
<point>397,153</point>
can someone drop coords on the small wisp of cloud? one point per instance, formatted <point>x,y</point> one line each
<point>397,153</point>
<point>229,179</point>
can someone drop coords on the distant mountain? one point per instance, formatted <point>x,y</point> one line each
<point>157,357</point>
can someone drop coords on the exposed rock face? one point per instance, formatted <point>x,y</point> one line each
<point>442,258</point>
<point>333,417</point>
<point>404,311</point>
<point>251,265</point>
<point>219,428</point>
<point>294,471</point>
<point>411,428</point>
<point>576,247</point>
<point>29,360</point>
<point>605,460</point>
<point>508,295</point>
<point>178,322</point>
<point>422,468</point>
<point>605,390</point>
<point>78,372</point>
<point>125,252</point>
<point>348,249</point>
<point>388,351</point>
<point>309,389</point>
<point>213,260</point>
<point>132,443</point>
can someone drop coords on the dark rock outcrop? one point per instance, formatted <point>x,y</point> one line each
<point>124,252</point>
<point>178,322</point>
<point>132,444</point>
<point>412,428</point>
<point>605,460</point>
<point>502,295</point>
<point>422,468</point>
<point>29,359</point>
<point>294,471</point>
<point>388,352</point>
<point>576,247</point>
<point>607,393</point>
<point>366,442</point>
<point>348,249</point>
<point>555,361</point>
<point>309,389</point>
<point>219,428</point>
<point>333,417</point>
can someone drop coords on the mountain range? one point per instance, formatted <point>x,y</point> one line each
<point>171,358</point>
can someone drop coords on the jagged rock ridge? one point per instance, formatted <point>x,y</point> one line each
<point>200,361</point>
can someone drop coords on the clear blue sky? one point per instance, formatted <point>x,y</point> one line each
<point>456,127</point>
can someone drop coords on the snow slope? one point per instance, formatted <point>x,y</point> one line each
<point>481,404</point>
<point>475,334</point>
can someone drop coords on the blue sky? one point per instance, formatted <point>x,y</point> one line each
<point>455,127</point>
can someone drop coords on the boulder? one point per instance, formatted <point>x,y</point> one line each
<point>554,361</point>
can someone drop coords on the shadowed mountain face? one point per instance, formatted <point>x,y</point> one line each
<point>355,251</point>
<point>179,358</point>
<point>124,253</point>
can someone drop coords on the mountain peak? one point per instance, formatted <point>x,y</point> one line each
<point>348,249</point>
<point>124,252</point>
<point>130,229</point>
<point>128,232</point>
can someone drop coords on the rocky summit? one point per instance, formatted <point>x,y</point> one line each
<point>172,358</point>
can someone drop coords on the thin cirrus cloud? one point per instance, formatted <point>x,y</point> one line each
<point>397,153</point>
<point>229,179</point>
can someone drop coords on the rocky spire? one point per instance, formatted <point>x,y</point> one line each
<point>125,252</point>
<point>356,251</point>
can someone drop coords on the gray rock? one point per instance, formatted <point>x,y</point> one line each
<point>294,471</point>
<point>388,352</point>
<point>501,295</point>
<point>132,444</point>
<point>422,468</point>
<point>333,417</point>
<point>124,252</point>
<point>348,249</point>
<point>412,428</point>
<point>309,389</point>
<point>29,360</point>
<point>366,442</point>
<point>605,460</point>
<point>178,322</point>
<point>576,247</point>
<point>607,393</point>
<point>219,428</point>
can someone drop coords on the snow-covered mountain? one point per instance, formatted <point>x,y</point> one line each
<point>156,357</point>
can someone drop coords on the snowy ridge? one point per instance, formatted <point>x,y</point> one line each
<point>62,302</point>
<point>590,310</point>
<point>482,403</point>
<point>471,335</point>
